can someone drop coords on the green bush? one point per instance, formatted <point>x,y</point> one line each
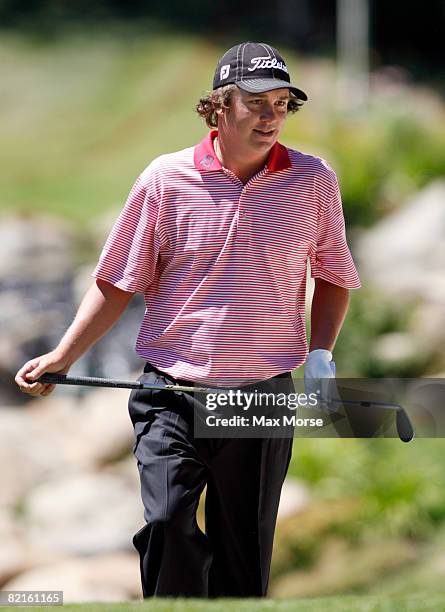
<point>402,487</point>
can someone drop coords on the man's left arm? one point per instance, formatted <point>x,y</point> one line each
<point>334,272</point>
<point>329,307</point>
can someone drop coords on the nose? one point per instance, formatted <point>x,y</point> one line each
<point>267,112</point>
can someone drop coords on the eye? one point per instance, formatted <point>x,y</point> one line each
<point>282,103</point>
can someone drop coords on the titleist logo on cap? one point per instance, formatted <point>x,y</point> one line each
<point>266,62</point>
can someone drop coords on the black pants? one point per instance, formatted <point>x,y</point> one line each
<point>243,477</point>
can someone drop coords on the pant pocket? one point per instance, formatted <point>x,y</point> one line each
<point>141,405</point>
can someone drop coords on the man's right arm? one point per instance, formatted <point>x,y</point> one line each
<point>100,308</point>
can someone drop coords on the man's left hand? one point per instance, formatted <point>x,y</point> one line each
<point>319,369</point>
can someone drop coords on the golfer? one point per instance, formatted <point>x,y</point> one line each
<point>217,238</point>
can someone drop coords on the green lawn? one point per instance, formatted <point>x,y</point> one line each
<point>96,111</point>
<point>348,603</point>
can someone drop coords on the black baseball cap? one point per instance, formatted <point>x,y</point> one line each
<point>255,68</point>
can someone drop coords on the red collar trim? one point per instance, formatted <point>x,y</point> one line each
<point>278,158</point>
<point>205,159</point>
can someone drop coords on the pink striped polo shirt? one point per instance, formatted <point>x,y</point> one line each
<point>222,265</point>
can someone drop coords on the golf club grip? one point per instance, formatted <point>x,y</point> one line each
<point>89,381</point>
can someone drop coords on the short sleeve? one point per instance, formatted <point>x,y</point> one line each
<point>331,258</point>
<point>128,259</point>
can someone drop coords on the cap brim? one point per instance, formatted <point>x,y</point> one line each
<point>262,85</point>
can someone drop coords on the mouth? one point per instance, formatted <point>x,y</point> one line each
<point>265,132</point>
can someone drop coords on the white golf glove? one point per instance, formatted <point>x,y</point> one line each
<point>318,369</point>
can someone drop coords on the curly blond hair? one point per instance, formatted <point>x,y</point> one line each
<point>221,97</point>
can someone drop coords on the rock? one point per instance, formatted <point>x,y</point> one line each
<point>85,514</point>
<point>101,226</point>
<point>396,347</point>
<point>15,554</point>
<point>294,497</point>
<point>33,450</point>
<point>40,291</point>
<point>404,257</point>
<point>37,260</point>
<point>100,427</point>
<point>428,321</point>
<point>64,434</point>
<point>33,319</point>
<point>125,469</point>
<point>102,578</point>
<point>405,253</point>
<point>35,247</point>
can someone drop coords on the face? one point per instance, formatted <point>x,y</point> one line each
<point>254,121</point>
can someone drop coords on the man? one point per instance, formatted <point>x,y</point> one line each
<point>217,238</point>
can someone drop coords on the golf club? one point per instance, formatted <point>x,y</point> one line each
<point>404,427</point>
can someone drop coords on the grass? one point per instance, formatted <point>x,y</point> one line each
<point>96,111</point>
<point>348,603</point>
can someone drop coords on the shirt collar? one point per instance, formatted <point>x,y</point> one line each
<point>205,158</point>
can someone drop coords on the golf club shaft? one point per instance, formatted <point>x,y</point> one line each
<point>91,381</point>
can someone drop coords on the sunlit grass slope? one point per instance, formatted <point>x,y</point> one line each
<point>82,117</point>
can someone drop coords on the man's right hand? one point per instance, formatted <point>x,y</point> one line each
<point>50,362</point>
<point>101,307</point>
